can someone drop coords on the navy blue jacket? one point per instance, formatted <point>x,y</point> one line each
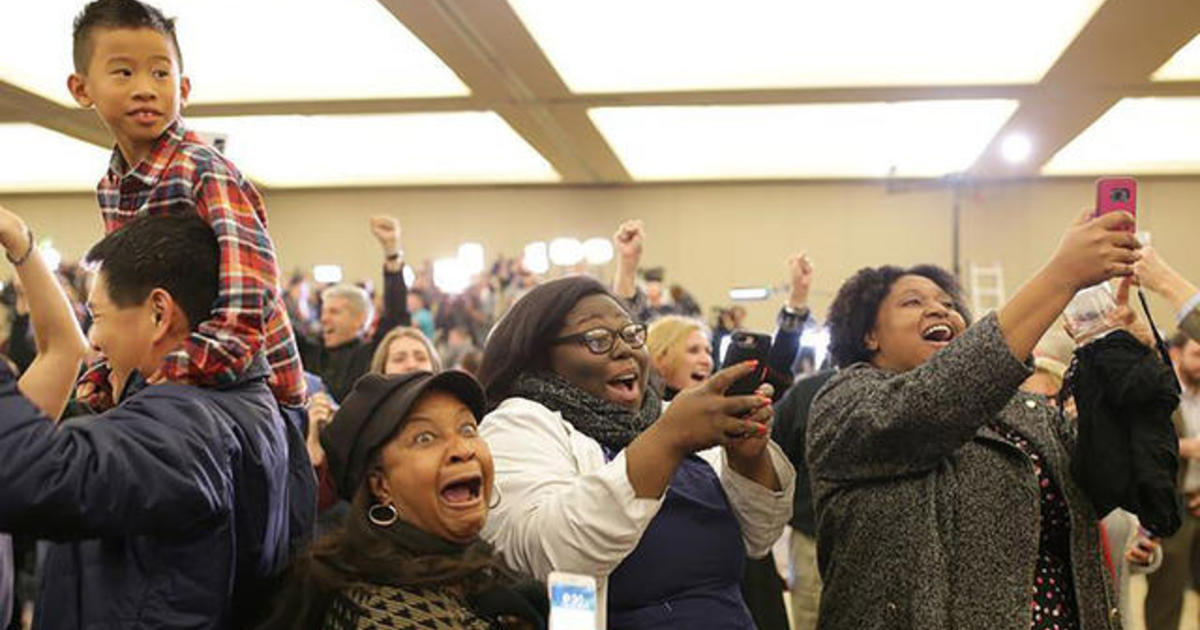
<point>171,510</point>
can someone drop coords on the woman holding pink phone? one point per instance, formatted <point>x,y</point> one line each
<point>943,498</point>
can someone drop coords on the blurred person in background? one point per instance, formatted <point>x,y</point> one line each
<point>344,350</point>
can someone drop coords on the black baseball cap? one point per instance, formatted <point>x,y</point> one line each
<point>375,409</point>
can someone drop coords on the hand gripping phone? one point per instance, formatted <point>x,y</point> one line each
<point>747,346</point>
<point>1115,194</point>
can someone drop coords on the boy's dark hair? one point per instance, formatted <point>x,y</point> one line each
<point>854,309</point>
<point>177,253</point>
<point>520,342</point>
<point>118,14</point>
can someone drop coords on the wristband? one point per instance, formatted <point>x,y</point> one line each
<point>24,257</point>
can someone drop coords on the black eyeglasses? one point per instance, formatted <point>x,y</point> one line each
<point>601,340</point>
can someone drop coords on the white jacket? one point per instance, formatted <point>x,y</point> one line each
<point>564,508</point>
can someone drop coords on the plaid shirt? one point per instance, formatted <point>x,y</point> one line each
<point>183,174</point>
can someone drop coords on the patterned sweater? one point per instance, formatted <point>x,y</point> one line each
<point>379,607</point>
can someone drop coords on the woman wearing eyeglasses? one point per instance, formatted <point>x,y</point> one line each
<point>599,479</point>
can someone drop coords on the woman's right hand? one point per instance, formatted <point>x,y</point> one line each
<point>320,413</point>
<point>703,416</point>
<point>1155,274</point>
<point>1096,249</point>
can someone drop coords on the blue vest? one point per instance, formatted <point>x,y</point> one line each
<point>687,569</point>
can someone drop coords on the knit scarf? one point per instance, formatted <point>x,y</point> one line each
<point>609,424</point>
<point>399,555</point>
<point>415,558</point>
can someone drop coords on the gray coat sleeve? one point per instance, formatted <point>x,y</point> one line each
<point>868,423</point>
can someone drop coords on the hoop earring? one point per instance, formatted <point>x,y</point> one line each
<point>391,515</point>
<point>499,497</point>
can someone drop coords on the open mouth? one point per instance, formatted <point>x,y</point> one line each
<point>938,333</point>
<point>699,376</point>
<point>463,491</point>
<point>624,388</point>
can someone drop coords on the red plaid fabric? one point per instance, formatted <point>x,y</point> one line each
<point>182,174</point>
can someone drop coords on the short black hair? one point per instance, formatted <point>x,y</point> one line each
<point>520,342</point>
<point>853,312</point>
<point>177,253</point>
<point>118,14</point>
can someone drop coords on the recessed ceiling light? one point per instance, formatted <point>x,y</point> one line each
<point>1137,135</point>
<point>908,139</point>
<point>383,149</point>
<point>1184,65</point>
<point>36,159</point>
<point>666,45</point>
<point>238,51</point>
<point>1016,148</point>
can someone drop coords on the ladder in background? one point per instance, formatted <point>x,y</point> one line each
<point>987,288</point>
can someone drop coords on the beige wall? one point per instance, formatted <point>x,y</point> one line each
<point>709,237</point>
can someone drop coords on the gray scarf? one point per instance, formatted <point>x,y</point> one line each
<point>609,424</point>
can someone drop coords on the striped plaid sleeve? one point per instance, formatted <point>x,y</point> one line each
<point>222,347</point>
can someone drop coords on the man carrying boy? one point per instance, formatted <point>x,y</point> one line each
<point>128,67</point>
<point>170,510</point>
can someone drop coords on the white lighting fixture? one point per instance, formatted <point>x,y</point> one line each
<point>470,256</point>
<point>1139,136</point>
<point>1184,65</point>
<point>410,276</point>
<point>379,149</point>
<point>35,49</point>
<point>327,274</point>
<point>749,294</point>
<point>818,339</point>
<point>50,255</point>
<point>358,51</point>
<point>905,139</point>
<point>35,159</point>
<point>565,252</point>
<point>449,276</point>
<point>723,349</point>
<point>537,258</point>
<point>598,251</point>
<point>1016,148</point>
<point>671,45</point>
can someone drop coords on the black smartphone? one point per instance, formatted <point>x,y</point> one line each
<point>747,346</point>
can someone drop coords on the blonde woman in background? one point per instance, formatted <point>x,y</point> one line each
<point>405,349</point>
<point>681,352</point>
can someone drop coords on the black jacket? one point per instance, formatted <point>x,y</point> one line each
<point>1127,452</point>
<point>791,423</point>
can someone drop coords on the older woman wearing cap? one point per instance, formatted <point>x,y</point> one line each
<point>404,450</point>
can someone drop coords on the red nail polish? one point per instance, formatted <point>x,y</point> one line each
<point>753,363</point>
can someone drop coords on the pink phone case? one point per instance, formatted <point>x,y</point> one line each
<point>1114,194</point>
